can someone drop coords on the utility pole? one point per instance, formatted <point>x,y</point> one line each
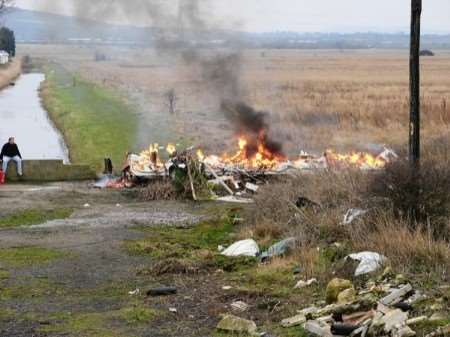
<point>414,84</point>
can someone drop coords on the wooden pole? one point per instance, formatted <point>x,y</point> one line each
<point>414,84</point>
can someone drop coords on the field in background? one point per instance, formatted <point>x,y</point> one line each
<point>316,99</point>
<point>96,122</point>
<point>10,72</point>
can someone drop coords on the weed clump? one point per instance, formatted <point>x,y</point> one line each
<point>420,195</point>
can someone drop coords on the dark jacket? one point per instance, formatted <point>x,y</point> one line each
<point>10,150</point>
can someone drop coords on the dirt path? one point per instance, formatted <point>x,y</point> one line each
<point>84,289</point>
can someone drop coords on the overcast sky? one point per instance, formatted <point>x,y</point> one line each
<point>305,15</point>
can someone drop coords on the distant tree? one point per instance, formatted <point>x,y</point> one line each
<point>7,41</point>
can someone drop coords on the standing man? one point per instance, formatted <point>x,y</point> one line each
<point>10,151</point>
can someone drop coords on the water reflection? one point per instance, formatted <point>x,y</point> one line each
<point>23,117</point>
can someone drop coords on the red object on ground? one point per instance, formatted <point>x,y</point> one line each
<point>2,177</point>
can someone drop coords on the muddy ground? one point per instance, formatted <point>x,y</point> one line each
<point>72,277</point>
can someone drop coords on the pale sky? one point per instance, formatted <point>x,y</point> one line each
<point>305,15</point>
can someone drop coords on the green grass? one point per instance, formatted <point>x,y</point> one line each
<point>96,122</point>
<point>167,242</point>
<point>100,324</point>
<point>31,217</point>
<point>27,256</point>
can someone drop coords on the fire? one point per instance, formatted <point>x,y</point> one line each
<point>171,149</point>
<point>356,159</point>
<point>250,155</point>
<point>150,158</point>
<point>255,154</point>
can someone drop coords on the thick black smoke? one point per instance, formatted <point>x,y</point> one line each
<point>253,125</point>
<point>181,23</point>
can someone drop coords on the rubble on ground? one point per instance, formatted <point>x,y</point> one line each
<point>375,309</point>
<point>234,324</point>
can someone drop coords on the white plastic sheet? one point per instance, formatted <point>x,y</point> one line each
<point>242,248</point>
<point>368,262</point>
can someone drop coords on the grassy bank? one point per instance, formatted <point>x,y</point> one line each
<point>10,72</point>
<point>96,122</point>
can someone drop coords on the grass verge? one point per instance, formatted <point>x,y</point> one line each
<point>27,256</point>
<point>31,217</point>
<point>96,122</point>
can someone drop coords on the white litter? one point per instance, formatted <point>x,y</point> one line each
<point>134,292</point>
<point>369,262</point>
<point>242,248</point>
<point>239,306</point>
<point>302,284</point>
<point>234,199</point>
<point>86,205</point>
<point>352,214</point>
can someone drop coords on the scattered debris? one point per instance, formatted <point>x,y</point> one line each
<point>86,205</point>
<point>163,291</point>
<point>319,329</point>
<point>369,262</point>
<point>441,332</point>
<point>343,329</point>
<point>293,321</point>
<point>352,214</point>
<point>252,187</point>
<point>335,287</point>
<point>365,312</point>
<point>303,202</point>
<point>396,295</point>
<point>347,296</point>
<point>302,284</point>
<point>239,306</point>
<point>242,248</point>
<point>237,200</point>
<point>279,249</point>
<point>173,310</point>
<point>235,324</point>
<point>227,287</point>
<point>134,292</point>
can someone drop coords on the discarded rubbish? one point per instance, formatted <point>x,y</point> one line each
<point>235,324</point>
<point>239,306</point>
<point>367,313</point>
<point>346,296</point>
<point>342,329</point>
<point>163,291</point>
<point>252,187</point>
<point>335,287</point>
<point>173,310</point>
<point>352,214</point>
<point>86,205</point>
<point>396,295</point>
<point>318,329</point>
<point>302,284</point>
<point>134,292</point>
<point>369,262</point>
<point>303,202</point>
<point>227,287</point>
<point>279,249</point>
<point>242,248</point>
<point>293,321</point>
<point>233,199</point>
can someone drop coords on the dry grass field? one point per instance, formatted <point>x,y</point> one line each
<point>316,99</point>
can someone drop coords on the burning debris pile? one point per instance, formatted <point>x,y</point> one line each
<point>257,155</point>
<point>255,160</point>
